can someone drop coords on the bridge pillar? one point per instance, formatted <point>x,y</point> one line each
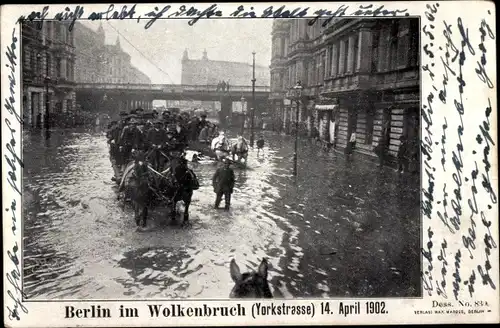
<point>226,108</point>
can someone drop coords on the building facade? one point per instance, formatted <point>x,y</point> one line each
<point>98,62</point>
<point>210,72</point>
<point>358,75</point>
<point>48,70</point>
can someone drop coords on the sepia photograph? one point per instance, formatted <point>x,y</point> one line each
<point>264,158</point>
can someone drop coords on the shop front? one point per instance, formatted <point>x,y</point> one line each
<point>325,114</point>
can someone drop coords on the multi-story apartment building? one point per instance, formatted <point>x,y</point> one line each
<point>205,71</point>
<point>358,75</point>
<point>98,62</point>
<point>47,70</point>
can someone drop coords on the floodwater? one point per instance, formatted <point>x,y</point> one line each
<point>342,228</point>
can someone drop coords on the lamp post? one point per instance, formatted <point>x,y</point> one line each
<point>243,115</point>
<point>46,82</point>
<point>297,94</point>
<point>253,101</point>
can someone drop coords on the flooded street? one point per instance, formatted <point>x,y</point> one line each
<point>344,228</point>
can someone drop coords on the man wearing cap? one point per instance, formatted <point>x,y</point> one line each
<point>166,117</point>
<point>114,137</point>
<point>193,128</point>
<point>117,137</point>
<point>156,139</point>
<point>202,123</point>
<point>109,135</point>
<point>155,114</point>
<point>223,183</point>
<point>131,139</point>
<point>181,136</point>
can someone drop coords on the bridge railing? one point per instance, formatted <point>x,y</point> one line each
<point>169,88</point>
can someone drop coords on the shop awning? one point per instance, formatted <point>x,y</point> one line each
<point>326,107</point>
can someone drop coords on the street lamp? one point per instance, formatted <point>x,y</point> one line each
<point>243,116</point>
<point>46,82</point>
<point>253,100</point>
<point>296,94</point>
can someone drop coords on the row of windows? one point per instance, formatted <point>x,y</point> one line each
<point>56,66</point>
<point>395,46</point>
<point>53,31</point>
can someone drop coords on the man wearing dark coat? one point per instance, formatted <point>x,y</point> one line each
<point>193,128</point>
<point>131,139</point>
<point>202,122</point>
<point>403,155</point>
<point>156,139</point>
<point>223,183</point>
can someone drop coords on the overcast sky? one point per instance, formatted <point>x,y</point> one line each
<point>164,43</point>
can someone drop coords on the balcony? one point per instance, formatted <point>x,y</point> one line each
<point>408,77</point>
<point>299,47</point>
<point>64,83</point>
<point>371,81</point>
<point>278,61</point>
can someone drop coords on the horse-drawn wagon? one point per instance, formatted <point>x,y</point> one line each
<point>146,186</point>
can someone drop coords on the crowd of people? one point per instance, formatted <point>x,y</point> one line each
<point>165,137</point>
<point>160,136</point>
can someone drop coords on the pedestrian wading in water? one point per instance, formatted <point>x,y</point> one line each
<point>260,145</point>
<point>223,183</point>
<point>351,144</point>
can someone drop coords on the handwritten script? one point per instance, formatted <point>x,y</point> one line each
<point>14,304</point>
<point>457,191</point>
<point>194,14</point>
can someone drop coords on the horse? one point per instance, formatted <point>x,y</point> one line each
<point>135,183</point>
<point>240,149</point>
<point>181,182</point>
<point>250,284</point>
<point>221,148</point>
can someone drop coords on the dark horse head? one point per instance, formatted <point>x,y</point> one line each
<point>182,183</point>
<point>250,284</point>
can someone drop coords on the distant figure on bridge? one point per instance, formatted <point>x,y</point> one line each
<point>223,86</point>
<point>227,86</point>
